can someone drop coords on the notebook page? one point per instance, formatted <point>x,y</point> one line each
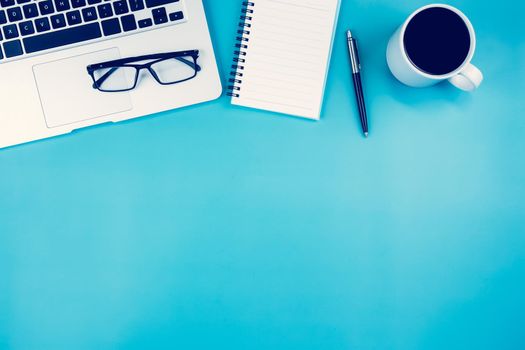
<point>287,57</point>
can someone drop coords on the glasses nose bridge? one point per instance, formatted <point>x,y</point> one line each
<point>147,67</point>
<point>142,66</point>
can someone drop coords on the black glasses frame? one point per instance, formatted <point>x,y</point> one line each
<point>128,62</point>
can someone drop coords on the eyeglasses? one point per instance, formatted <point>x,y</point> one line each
<point>123,74</point>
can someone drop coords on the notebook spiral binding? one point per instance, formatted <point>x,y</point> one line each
<point>240,49</point>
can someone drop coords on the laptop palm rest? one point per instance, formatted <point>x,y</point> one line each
<point>66,90</point>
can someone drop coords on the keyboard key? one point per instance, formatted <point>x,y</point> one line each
<point>62,5</point>
<point>1,55</point>
<point>26,28</point>
<point>10,31</point>
<point>143,23</point>
<point>42,24</point>
<point>155,3</point>
<point>89,14</point>
<point>111,26</point>
<point>3,18</point>
<point>128,23</point>
<point>58,21</point>
<point>13,48</point>
<point>6,3</point>
<point>159,15</point>
<point>22,1</point>
<point>78,3</point>
<point>120,7</point>
<point>62,37</point>
<point>14,14</point>
<point>175,16</point>
<point>73,17</point>
<point>93,2</point>
<point>1,37</point>
<point>30,11</point>
<point>136,5</point>
<point>105,11</point>
<point>46,7</point>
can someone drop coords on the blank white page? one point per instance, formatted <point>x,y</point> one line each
<point>287,56</point>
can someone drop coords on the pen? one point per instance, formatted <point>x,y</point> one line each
<point>356,75</point>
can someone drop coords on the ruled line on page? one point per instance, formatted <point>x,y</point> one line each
<point>280,71</point>
<point>283,81</point>
<point>259,70</point>
<point>290,76</point>
<point>288,43</point>
<point>307,5</point>
<point>288,66</point>
<point>291,56</point>
<point>279,94</point>
<point>308,36</point>
<point>279,103</point>
<point>298,20</point>
<point>287,27</point>
<point>298,94</point>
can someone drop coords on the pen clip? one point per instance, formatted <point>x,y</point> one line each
<point>358,61</point>
<point>354,55</point>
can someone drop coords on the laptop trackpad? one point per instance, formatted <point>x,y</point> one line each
<point>67,94</point>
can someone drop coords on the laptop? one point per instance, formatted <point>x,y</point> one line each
<point>46,46</point>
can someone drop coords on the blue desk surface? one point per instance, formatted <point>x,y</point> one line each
<point>215,227</point>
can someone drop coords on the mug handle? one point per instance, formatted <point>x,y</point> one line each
<point>469,79</point>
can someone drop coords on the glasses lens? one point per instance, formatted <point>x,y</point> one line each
<point>115,78</point>
<point>176,69</point>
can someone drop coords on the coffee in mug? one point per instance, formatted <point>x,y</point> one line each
<point>436,43</point>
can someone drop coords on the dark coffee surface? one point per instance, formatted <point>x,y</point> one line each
<point>437,41</point>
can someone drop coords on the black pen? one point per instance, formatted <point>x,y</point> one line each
<point>356,75</point>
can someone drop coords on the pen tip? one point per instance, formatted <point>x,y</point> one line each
<point>348,34</point>
<point>366,134</point>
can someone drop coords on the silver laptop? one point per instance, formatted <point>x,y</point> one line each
<point>47,45</point>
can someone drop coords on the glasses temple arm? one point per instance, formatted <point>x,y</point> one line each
<point>189,63</point>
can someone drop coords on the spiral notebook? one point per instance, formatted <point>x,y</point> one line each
<point>282,56</point>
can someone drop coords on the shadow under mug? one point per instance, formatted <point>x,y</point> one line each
<point>465,77</point>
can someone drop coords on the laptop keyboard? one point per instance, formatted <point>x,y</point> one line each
<point>29,27</point>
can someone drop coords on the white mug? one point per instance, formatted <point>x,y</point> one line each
<point>466,77</point>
